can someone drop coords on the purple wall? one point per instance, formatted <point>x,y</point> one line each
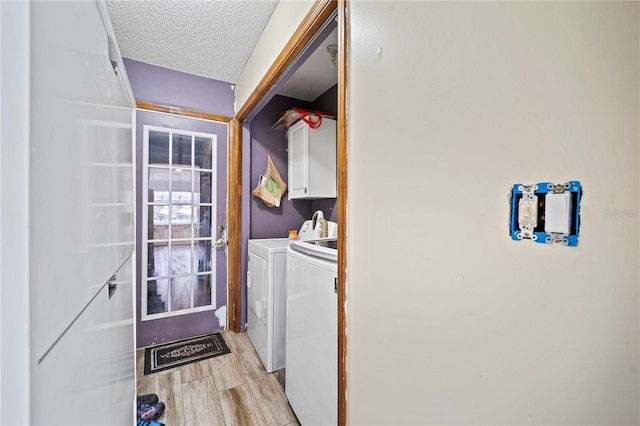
<point>273,222</point>
<point>170,329</point>
<point>174,88</point>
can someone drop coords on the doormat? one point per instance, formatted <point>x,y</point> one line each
<point>182,352</point>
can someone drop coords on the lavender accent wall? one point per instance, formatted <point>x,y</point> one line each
<point>273,222</point>
<point>170,329</point>
<point>163,86</point>
<point>328,101</point>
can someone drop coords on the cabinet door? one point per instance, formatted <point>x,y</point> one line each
<point>298,138</point>
<point>81,166</point>
<point>88,377</point>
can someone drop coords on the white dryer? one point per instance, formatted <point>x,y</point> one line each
<point>266,294</point>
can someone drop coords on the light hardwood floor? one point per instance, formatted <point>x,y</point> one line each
<point>232,389</point>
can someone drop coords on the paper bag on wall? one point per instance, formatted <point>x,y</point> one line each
<point>271,187</point>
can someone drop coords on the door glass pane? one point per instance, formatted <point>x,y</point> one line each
<point>203,225</point>
<point>181,259</point>
<point>181,150</point>
<point>202,291</point>
<point>203,256</point>
<point>203,187</point>
<point>157,291</point>
<point>203,153</point>
<point>181,186</point>
<point>158,182</point>
<point>181,221</point>
<point>157,260</point>
<point>180,293</point>
<point>158,148</point>
<point>158,225</point>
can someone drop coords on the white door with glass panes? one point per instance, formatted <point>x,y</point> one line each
<point>181,225</point>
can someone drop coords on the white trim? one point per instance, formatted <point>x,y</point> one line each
<point>144,316</point>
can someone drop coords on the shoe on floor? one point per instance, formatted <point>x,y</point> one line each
<point>148,423</point>
<point>150,398</point>
<point>151,412</point>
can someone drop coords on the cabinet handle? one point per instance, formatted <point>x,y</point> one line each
<point>112,284</point>
<point>113,54</point>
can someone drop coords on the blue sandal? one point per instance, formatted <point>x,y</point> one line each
<point>148,423</point>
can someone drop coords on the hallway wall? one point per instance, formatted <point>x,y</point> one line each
<point>463,324</point>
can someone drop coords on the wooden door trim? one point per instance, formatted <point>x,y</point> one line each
<point>317,16</point>
<point>234,187</point>
<point>149,106</point>
<point>234,226</point>
<point>343,37</point>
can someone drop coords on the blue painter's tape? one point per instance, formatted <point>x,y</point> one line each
<point>516,189</point>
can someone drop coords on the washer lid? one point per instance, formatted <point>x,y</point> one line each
<point>315,249</point>
<point>271,245</point>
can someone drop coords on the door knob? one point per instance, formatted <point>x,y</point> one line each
<point>220,243</point>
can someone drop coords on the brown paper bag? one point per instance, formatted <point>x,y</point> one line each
<point>271,187</point>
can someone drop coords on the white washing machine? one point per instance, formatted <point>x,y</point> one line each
<point>312,331</point>
<point>266,294</point>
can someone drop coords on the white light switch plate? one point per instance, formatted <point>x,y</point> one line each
<point>557,213</point>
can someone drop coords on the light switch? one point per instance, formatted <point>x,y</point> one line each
<point>557,213</point>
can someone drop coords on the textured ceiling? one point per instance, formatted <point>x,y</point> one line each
<point>212,38</point>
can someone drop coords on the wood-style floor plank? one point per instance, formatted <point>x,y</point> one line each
<point>195,371</point>
<point>201,403</point>
<point>274,404</point>
<point>240,407</point>
<point>226,371</point>
<point>238,342</point>
<point>251,363</point>
<point>169,391</point>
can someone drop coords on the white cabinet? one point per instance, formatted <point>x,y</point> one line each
<point>67,218</point>
<point>81,165</point>
<point>88,377</point>
<point>312,160</point>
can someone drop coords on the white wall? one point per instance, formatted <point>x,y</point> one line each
<point>285,19</point>
<point>450,321</point>
<point>14,227</point>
